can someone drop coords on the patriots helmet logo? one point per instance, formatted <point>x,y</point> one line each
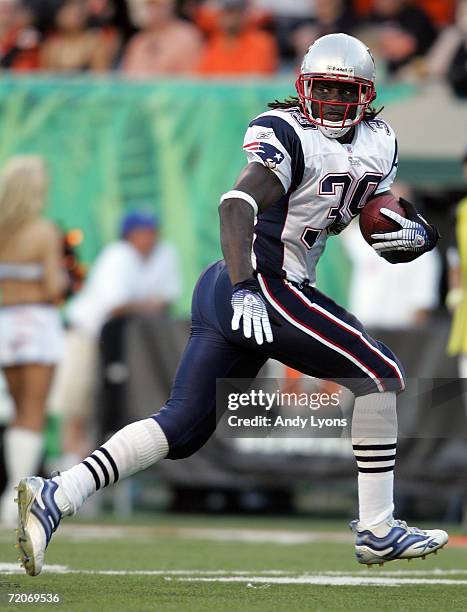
<point>269,154</point>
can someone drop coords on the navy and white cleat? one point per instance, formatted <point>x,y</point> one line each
<point>399,542</point>
<point>38,518</point>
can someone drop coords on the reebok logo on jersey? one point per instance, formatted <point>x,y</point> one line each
<point>264,135</point>
<point>269,155</point>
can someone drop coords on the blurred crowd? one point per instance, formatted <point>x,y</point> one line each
<point>412,39</point>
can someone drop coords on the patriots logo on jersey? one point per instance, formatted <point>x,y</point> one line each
<point>269,154</point>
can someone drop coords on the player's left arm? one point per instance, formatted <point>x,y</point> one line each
<point>415,236</point>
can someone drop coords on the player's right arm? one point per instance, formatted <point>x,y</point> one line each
<point>276,165</point>
<point>256,189</point>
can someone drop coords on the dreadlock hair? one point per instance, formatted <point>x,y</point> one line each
<point>293,101</point>
<point>289,102</point>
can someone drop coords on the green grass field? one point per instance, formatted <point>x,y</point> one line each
<point>233,564</point>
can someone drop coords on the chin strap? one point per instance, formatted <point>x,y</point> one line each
<point>334,132</point>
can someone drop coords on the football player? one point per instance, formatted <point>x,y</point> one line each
<point>313,163</point>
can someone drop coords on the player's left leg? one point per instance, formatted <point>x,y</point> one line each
<point>320,338</point>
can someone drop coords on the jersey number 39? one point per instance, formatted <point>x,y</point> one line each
<point>354,195</point>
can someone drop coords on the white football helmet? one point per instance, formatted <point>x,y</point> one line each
<point>340,59</point>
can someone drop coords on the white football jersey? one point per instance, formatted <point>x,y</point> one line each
<point>325,182</point>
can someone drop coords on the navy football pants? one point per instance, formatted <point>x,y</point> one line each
<point>312,334</point>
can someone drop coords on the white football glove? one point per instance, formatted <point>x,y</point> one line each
<point>416,234</point>
<point>247,303</point>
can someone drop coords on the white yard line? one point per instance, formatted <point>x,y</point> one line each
<point>329,580</point>
<point>267,577</point>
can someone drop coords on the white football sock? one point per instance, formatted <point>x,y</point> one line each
<point>130,450</point>
<point>374,440</point>
<point>22,451</point>
<point>375,497</point>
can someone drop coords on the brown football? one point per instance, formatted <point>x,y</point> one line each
<point>373,222</point>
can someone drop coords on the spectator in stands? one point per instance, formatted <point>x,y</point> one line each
<point>73,47</point>
<point>208,15</point>
<point>137,273</point>
<point>166,44</point>
<point>238,48</point>
<point>330,16</point>
<point>448,56</point>
<point>286,17</point>
<point>441,12</point>
<point>403,32</point>
<point>102,13</point>
<point>112,18</point>
<point>19,38</point>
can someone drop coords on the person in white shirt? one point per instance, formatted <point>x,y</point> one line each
<point>137,273</point>
<point>161,278</point>
<point>383,296</point>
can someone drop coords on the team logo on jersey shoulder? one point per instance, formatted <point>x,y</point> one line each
<point>268,153</point>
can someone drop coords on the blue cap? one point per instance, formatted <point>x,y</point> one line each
<point>137,219</point>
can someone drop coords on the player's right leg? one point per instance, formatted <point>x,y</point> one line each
<point>182,426</point>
